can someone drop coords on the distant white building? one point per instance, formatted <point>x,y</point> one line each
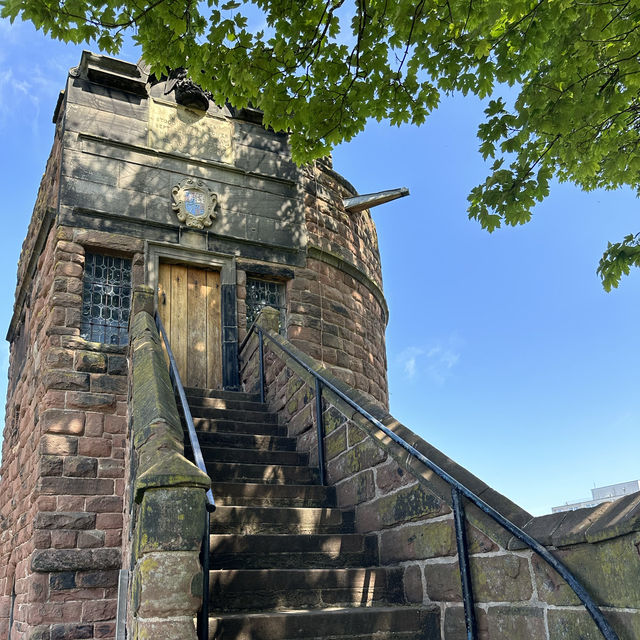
<point>602,494</point>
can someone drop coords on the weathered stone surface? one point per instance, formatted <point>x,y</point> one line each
<point>81,466</point>
<point>63,421</point>
<point>413,589</point>
<point>515,623</point>
<point>71,631</point>
<point>608,570</point>
<point>168,629</point>
<point>357,489</point>
<point>407,504</point>
<point>428,540</point>
<point>572,623</point>
<point>171,519</point>
<point>91,361</point>
<point>66,380</point>
<point>91,401</point>
<point>105,383</point>
<point>454,624</point>
<point>75,559</point>
<point>76,486</point>
<point>335,443</point>
<point>503,578</point>
<point>363,456</point>
<point>64,520</point>
<point>164,585</point>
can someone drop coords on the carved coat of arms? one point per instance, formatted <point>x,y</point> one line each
<point>194,203</point>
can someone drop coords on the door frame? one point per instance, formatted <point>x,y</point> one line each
<point>226,264</point>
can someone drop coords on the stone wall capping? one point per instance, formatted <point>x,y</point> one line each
<point>591,524</point>
<point>573,527</point>
<point>540,528</point>
<point>616,519</point>
<point>171,469</point>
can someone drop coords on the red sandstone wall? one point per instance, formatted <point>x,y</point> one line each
<point>335,307</point>
<point>63,471</point>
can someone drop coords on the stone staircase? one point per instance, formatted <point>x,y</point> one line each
<point>286,563</point>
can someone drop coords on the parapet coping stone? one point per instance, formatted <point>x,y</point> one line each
<point>592,525</point>
<point>157,430</point>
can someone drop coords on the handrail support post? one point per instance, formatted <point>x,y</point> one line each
<point>203,614</point>
<point>261,355</point>
<point>463,562</point>
<point>320,429</point>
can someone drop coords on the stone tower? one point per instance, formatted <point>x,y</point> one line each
<point>157,206</point>
<point>149,182</point>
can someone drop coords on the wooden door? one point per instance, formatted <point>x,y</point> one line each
<point>189,306</point>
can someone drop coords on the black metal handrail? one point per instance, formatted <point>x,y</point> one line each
<point>457,491</point>
<point>203,615</point>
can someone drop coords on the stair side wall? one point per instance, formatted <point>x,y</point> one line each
<point>409,509</point>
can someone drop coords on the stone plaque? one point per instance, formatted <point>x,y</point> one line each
<point>174,128</point>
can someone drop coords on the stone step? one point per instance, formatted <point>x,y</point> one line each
<point>291,520</point>
<point>366,623</point>
<point>250,456</point>
<point>221,425</point>
<point>261,551</point>
<point>276,589</point>
<point>272,495</point>
<point>256,442</point>
<point>269,474</point>
<point>237,415</point>
<point>225,403</point>
<point>219,393</point>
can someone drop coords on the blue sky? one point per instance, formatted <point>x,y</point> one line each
<point>503,349</point>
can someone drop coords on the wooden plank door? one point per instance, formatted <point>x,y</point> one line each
<point>189,306</point>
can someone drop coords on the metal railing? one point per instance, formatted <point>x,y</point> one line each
<point>458,491</point>
<point>203,615</point>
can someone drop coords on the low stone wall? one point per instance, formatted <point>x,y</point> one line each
<point>167,519</point>
<point>518,596</point>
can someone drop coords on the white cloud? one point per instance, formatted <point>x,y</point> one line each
<point>435,362</point>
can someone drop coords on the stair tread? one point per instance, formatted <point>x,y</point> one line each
<point>333,623</point>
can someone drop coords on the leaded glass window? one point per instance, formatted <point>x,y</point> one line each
<point>106,299</point>
<point>265,293</point>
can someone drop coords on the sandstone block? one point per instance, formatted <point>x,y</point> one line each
<point>58,445</point>
<point>592,565</point>
<point>63,421</point>
<point>413,589</point>
<point>105,383</point>
<point>91,401</point>
<point>164,585</point>
<point>104,504</point>
<point>67,380</point>
<point>356,489</point>
<point>118,365</point>
<point>91,361</point>
<point>168,629</point>
<point>71,631</point>
<point>91,539</point>
<point>64,520</point>
<point>572,623</point>
<point>76,486</point>
<point>406,505</point>
<point>503,578</point>
<point>75,559</point>
<point>99,610</point>
<point>171,519</point>
<point>81,466</point>
<point>363,456</point>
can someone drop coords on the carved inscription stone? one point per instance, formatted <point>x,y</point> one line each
<point>174,128</point>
